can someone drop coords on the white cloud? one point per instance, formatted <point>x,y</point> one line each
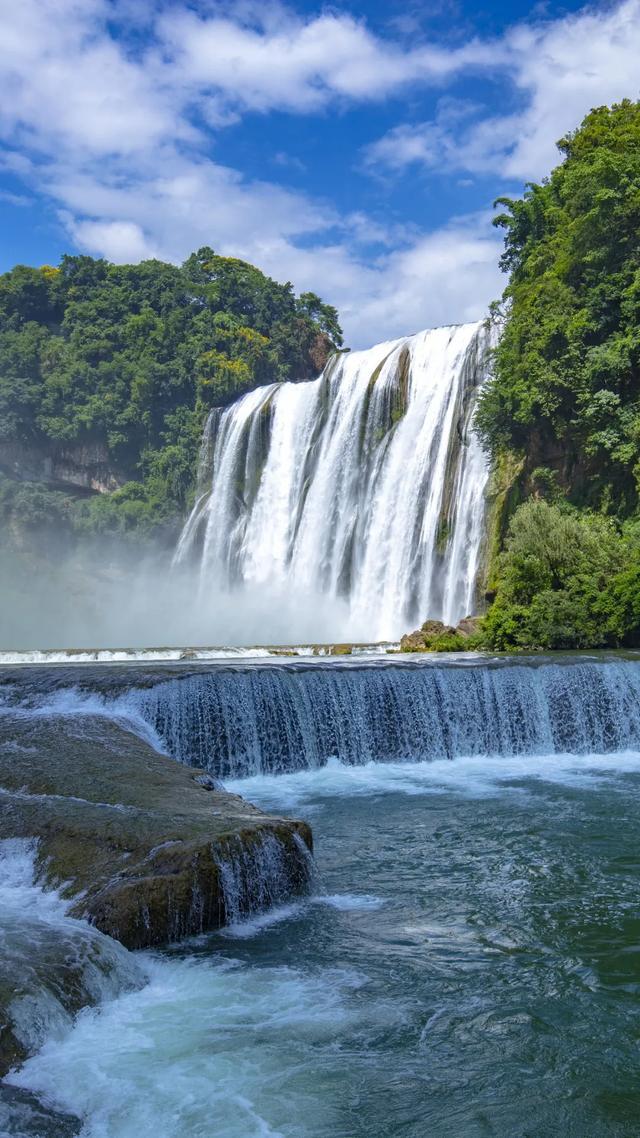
<point>418,281</point>
<point>289,64</point>
<point>66,83</point>
<point>558,69</point>
<point>119,133</point>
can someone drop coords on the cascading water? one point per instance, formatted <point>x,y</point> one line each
<point>364,487</point>
<point>256,876</point>
<point>272,720</point>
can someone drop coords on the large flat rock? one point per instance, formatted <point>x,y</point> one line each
<point>146,849</point>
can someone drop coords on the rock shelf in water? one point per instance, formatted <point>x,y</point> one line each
<point>145,849</point>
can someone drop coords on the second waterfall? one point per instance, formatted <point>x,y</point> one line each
<point>360,494</point>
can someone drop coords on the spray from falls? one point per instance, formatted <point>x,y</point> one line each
<point>364,488</point>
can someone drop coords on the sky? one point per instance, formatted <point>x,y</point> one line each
<point>355,150</point>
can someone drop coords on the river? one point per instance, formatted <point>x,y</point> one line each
<point>467,961</point>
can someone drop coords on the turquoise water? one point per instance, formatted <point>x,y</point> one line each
<point>468,964</point>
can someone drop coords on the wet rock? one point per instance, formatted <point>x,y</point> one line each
<point>132,837</point>
<point>425,638</point>
<point>434,636</point>
<point>432,628</point>
<point>22,1115</point>
<point>413,642</point>
<point>51,966</point>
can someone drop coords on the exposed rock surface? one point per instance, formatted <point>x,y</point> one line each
<point>84,466</point>
<point>133,833</point>
<point>23,1115</point>
<point>469,626</point>
<point>435,636</point>
<point>146,849</point>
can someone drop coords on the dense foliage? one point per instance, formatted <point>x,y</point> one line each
<point>564,407</point>
<point>567,384</point>
<point>568,579</point>
<point>131,358</point>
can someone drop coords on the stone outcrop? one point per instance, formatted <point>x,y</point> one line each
<point>434,636</point>
<point>140,840</point>
<point>145,849</point>
<point>77,466</point>
<point>22,1114</point>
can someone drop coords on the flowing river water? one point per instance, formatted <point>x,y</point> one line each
<point>467,961</point>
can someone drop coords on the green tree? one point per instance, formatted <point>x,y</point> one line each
<point>566,390</point>
<point>131,357</point>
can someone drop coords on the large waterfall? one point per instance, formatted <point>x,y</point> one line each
<point>363,489</point>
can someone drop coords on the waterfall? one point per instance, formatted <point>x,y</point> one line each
<point>256,875</point>
<point>266,719</point>
<point>364,487</point>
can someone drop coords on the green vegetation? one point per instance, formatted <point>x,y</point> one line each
<point>568,579</point>
<point>562,413</point>
<point>129,359</point>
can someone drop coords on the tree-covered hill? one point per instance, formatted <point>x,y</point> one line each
<point>129,359</point>
<point>562,415</point>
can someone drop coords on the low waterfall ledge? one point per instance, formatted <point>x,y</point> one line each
<point>146,849</point>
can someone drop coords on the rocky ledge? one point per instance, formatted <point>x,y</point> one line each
<point>145,849</point>
<point>434,636</point>
<point>148,850</point>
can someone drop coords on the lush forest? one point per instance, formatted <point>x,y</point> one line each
<point>129,359</point>
<point>561,417</point>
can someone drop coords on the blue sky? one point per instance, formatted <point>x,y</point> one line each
<point>352,149</point>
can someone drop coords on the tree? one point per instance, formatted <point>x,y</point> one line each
<point>566,390</point>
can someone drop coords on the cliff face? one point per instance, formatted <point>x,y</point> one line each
<point>80,466</point>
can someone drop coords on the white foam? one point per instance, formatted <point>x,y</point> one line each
<point>350,902</point>
<point>182,655</point>
<point>19,892</point>
<point>253,926</point>
<point>72,701</point>
<point>476,776</point>
<point>344,902</point>
<point>130,655</point>
<point>39,942</point>
<point>203,1049</point>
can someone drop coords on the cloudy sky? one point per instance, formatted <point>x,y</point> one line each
<point>352,149</point>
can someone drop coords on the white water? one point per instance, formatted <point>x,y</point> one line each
<point>470,776</point>
<point>177,655</point>
<point>46,952</point>
<point>360,494</point>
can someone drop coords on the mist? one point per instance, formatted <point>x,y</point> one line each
<point>113,596</point>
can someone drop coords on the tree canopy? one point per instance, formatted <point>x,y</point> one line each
<point>567,369</point>
<point>563,408</point>
<point>133,357</point>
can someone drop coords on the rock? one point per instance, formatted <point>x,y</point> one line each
<point>340,649</point>
<point>141,847</point>
<point>434,628</point>
<point>425,638</point>
<point>51,966</point>
<point>470,626</point>
<point>23,1115</point>
<point>413,642</point>
<point>145,849</point>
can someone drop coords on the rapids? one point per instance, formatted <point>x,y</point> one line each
<point>466,964</point>
<point>272,719</point>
